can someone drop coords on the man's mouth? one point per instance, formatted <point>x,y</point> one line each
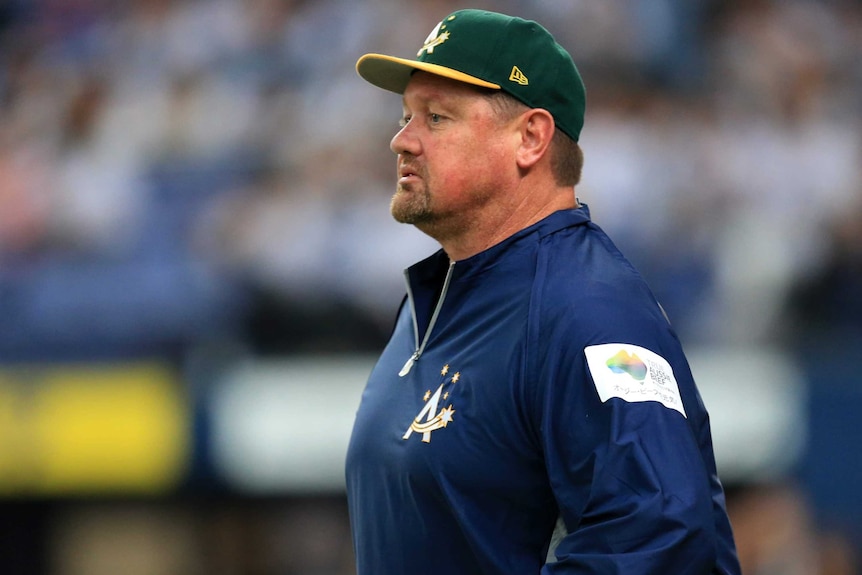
<point>407,174</point>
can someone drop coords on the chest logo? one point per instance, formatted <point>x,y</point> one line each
<point>429,418</point>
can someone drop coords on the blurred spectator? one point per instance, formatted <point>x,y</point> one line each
<point>825,305</point>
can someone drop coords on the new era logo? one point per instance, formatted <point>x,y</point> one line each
<point>518,76</point>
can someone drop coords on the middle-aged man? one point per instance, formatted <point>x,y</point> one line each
<point>531,379</point>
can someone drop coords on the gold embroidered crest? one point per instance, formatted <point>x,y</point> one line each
<point>434,39</point>
<point>430,419</point>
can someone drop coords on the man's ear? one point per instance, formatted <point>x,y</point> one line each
<point>537,130</point>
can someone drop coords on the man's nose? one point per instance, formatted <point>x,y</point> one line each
<point>405,141</point>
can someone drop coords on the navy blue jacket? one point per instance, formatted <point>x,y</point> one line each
<point>536,380</point>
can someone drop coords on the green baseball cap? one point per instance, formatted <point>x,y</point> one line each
<point>493,51</point>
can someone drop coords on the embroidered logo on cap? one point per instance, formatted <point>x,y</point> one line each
<point>435,38</point>
<point>518,76</point>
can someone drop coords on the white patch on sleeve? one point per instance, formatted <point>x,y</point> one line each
<point>633,373</point>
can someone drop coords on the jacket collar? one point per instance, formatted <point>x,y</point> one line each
<point>430,269</point>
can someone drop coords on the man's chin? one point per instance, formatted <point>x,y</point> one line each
<point>409,215</point>
<point>404,208</point>
<point>404,217</point>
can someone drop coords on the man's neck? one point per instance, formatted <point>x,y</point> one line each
<point>504,222</point>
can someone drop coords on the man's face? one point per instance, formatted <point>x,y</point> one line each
<point>454,155</point>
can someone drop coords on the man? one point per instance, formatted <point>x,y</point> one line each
<point>531,379</point>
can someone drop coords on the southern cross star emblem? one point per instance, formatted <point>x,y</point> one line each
<point>429,419</point>
<point>434,39</point>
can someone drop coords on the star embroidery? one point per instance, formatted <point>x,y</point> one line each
<point>446,395</point>
<point>446,415</point>
<point>427,395</point>
<point>456,377</point>
<point>445,369</point>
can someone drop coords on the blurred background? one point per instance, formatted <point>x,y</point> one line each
<point>198,266</point>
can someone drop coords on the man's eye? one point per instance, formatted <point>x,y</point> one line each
<point>434,118</point>
<point>403,121</point>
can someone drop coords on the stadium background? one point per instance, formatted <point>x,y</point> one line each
<point>197,263</point>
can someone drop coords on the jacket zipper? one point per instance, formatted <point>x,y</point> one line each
<point>421,346</point>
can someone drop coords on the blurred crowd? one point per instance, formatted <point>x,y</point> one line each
<point>183,177</point>
<point>177,174</point>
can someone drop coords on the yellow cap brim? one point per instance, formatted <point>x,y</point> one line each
<point>393,74</point>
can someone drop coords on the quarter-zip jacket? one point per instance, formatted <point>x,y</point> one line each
<point>536,380</point>
<point>442,297</point>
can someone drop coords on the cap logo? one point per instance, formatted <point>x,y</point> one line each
<point>518,76</point>
<point>434,39</point>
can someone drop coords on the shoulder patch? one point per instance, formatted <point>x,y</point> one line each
<point>632,373</point>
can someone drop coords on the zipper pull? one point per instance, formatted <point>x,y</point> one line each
<point>409,365</point>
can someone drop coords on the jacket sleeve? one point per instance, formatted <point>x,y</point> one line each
<point>629,476</point>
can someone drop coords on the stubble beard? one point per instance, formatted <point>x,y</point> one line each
<point>410,205</point>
